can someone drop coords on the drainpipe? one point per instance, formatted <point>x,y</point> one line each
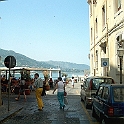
<point>107,44</point>
<point>94,38</point>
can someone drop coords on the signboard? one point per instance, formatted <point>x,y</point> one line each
<point>10,62</point>
<point>104,62</point>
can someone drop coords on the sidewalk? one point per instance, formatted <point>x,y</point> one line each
<point>26,112</point>
<point>6,110</point>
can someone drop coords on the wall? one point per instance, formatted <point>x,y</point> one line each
<point>106,36</point>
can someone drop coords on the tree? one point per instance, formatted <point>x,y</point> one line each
<point>64,74</point>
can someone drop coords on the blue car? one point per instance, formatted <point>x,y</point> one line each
<point>108,104</point>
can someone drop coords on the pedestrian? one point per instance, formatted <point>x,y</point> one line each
<point>64,79</point>
<point>21,89</point>
<point>38,85</point>
<point>51,82</point>
<point>4,83</point>
<point>60,86</point>
<point>72,82</point>
<point>44,89</point>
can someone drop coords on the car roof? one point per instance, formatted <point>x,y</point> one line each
<point>113,85</point>
<point>92,77</point>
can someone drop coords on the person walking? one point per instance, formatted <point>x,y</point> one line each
<point>60,93</point>
<point>44,89</point>
<point>72,82</point>
<point>38,85</point>
<point>21,89</point>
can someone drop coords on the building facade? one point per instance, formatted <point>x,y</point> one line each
<point>106,18</point>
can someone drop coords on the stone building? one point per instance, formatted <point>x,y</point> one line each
<point>0,90</point>
<point>106,18</point>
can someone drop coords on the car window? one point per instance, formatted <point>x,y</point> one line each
<point>98,81</point>
<point>105,93</point>
<point>99,93</point>
<point>88,80</point>
<point>118,94</point>
<point>108,81</point>
<point>95,84</point>
<point>85,83</point>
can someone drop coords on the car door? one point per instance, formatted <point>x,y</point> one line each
<point>105,101</point>
<point>83,89</point>
<point>97,102</point>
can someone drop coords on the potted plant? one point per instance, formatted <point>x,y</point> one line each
<point>46,78</point>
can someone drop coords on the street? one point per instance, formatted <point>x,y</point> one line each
<point>74,113</point>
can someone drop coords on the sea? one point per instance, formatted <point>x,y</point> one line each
<point>54,75</point>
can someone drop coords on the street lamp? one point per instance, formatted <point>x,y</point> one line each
<point>120,53</point>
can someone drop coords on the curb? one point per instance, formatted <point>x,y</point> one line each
<point>9,114</point>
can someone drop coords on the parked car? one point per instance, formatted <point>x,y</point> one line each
<point>90,86</point>
<point>108,104</point>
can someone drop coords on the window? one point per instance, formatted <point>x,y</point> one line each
<point>91,33</point>
<point>92,62</point>
<point>94,1</point>
<point>103,16</point>
<point>117,5</point>
<point>96,59</point>
<point>104,49</point>
<point>90,9</point>
<point>91,3</point>
<point>96,26</point>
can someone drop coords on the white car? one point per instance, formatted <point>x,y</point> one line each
<point>90,86</point>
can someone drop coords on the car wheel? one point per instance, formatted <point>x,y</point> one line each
<point>93,112</point>
<point>103,120</point>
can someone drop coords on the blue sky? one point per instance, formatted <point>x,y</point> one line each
<point>46,30</point>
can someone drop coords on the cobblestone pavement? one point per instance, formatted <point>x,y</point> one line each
<point>27,112</point>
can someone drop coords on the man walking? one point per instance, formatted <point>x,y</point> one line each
<point>38,84</point>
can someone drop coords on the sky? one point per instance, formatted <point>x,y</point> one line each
<point>46,30</point>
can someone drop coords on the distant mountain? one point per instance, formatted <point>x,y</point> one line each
<point>69,65</point>
<point>23,61</point>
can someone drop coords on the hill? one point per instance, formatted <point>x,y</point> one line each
<point>69,65</point>
<point>23,61</point>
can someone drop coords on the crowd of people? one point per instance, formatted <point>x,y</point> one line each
<point>20,85</point>
<point>15,84</point>
<point>59,86</point>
